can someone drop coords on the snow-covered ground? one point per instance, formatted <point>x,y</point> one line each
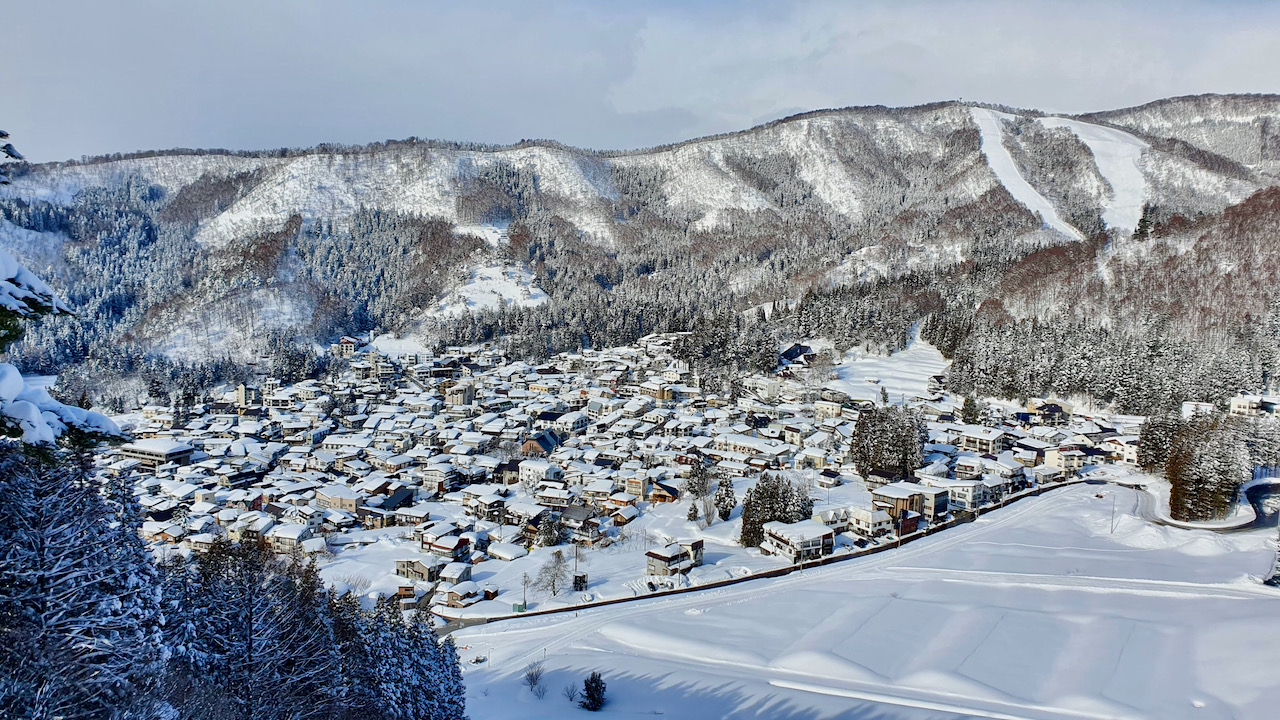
<point>1006,170</point>
<point>1038,610</point>
<point>903,375</point>
<point>490,287</point>
<point>495,235</point>
<point>1117,154</point>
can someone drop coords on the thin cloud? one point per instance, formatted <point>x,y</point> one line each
<point>89,77</point>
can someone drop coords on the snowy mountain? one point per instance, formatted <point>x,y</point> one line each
<point>207,253</point>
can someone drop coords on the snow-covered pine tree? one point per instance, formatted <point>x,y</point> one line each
<point>1155,440</point>
<point>357,681</point>
<point>79,614</point>
<point>311,664</point>
<point>725,499</point>
<point>550,531</point>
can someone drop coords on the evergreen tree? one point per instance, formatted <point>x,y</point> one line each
<point>79,609</point>
<point>592,692</point>
<point>725,499</point>
<point>550,531</point>
<point>773,498</point>
<point>1155,440</point>
<point>698,485</point>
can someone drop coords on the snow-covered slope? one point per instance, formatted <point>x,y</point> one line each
<point>1006,170</point>
<point>830,196</point>
<point>1036,611</point>
<point>491,286</point>
<point>1118,156</point>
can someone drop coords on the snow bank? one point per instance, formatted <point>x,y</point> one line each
<point>20,288</point>
<point>490,287</point>
<point>904,375</point>
<point>42,419</point>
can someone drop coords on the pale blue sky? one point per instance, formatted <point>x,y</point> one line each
<point>90,77</point>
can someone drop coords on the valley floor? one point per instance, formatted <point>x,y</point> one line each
<point>1037,610</point>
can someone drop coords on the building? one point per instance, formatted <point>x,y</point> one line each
<point>247,396</point>
<point>533,472</point>
<point>153,452</point>
<point>288,537</point>
<point>899,498</point>
<point>338,497</point>
<point>799,541</point>
<point>677,558</point>
<point>983,440</point>
<point>935,503</point>
<point>464,393</point>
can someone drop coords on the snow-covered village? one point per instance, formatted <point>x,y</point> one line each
<point>470,486</point>
<point>903,360</point>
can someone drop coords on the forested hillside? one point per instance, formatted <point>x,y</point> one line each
<point>1148,283</point>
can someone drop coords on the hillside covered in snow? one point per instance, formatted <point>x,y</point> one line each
<point>214,256</point>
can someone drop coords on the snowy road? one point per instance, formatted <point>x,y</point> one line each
<point>1033,611</point>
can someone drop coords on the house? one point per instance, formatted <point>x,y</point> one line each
<point>798,541</point>
<point>869,522</point>
<point>427,569</point>
<point>1068,459</point>
<point>582,523</point>
<point>961,494</point>
<point>983,440</point>
<point>935,503</point>
<point>676,558</point>
<point>462,594</point>
<point>345,348</point>
<point>533,472</point>
<point>623,515</point>
<point>1122,449</point>
<point>541,443</point>
<point>507,472</point>
<point>288,537</point>
<point>571,423</point>
<point>449,547</point>
<point>455,572</point>
<point>898,499</point>
<point>338,497</point>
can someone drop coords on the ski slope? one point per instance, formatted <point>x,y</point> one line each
<point>1006,171</point>
<point>1117,154</point>
<point>1037,610</point>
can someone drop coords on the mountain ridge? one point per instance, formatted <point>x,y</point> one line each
<point>611,244</point>
<point>1093,115</point>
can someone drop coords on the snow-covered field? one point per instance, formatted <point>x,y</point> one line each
<point>903,375</point>
<point>1034,611</point>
